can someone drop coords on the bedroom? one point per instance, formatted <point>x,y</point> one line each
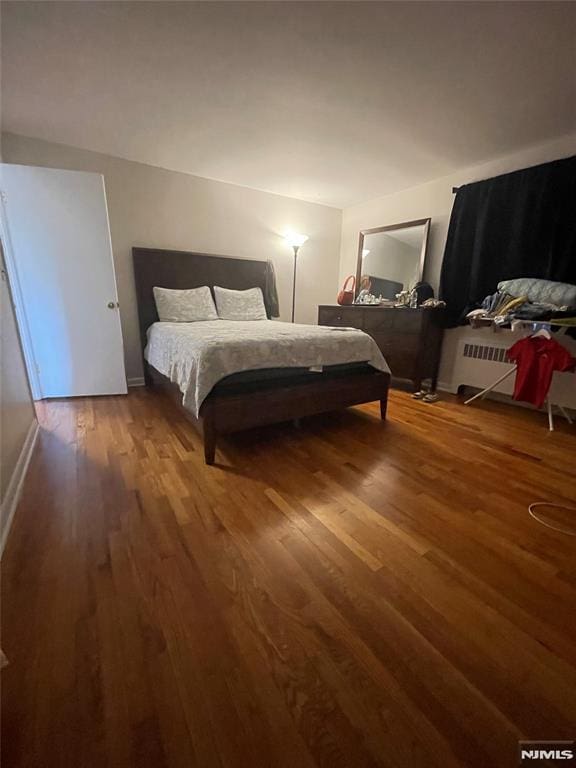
<point>315,567</point>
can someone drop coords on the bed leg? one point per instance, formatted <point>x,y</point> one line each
<point>148,380</point>
<point>383,406</point>
<point>209,442</point>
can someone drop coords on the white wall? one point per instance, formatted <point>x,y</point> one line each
<point>18,424</point>
<point>152,207</point>
<point>16,410</point>
<point>434,200</point>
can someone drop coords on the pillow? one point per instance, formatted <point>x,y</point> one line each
<point>240,305</point>
<point>541,291</point>
<point>187,306</point>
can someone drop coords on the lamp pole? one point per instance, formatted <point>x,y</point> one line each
<point>296,249</point>
<point>295,240</point>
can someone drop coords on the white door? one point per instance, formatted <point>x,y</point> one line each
<point>58,238</point>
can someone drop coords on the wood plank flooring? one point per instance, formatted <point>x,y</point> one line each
<point>351,593</point>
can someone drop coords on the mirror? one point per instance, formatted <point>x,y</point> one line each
<point>391,259</point>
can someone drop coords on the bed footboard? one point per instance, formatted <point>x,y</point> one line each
<point>222,414</point>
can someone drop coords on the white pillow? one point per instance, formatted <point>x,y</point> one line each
<point>240,305</point>
<point>187,306</point>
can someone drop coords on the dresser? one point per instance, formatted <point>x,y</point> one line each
<point>410,339</point>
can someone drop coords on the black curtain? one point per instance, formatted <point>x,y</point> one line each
<point>522,224</point>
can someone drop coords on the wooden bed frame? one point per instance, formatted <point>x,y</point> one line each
<point>268,402</point>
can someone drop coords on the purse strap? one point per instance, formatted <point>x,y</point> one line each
<point>345,286</point>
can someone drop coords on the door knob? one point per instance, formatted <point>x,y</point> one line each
<point>111,305</point>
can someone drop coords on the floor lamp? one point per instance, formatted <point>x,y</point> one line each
<point>295,240</point>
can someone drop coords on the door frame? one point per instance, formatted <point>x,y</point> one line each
<point>18,303</point>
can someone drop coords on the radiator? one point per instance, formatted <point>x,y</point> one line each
<point>478,365</point>
<point>479,357</point>
<point>485,352</point>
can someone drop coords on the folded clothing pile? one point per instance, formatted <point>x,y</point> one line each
<point>529,299</point>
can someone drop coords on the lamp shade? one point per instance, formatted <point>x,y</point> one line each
<point>295,239</point>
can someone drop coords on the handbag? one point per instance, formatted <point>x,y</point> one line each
<point>346,295</point>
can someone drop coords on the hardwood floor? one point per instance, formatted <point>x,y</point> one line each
<point>351,593</point>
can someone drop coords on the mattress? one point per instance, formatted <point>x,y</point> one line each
<point>197,356</point>
<point>252,381</point>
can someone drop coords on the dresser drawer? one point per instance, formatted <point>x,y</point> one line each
<point>392,342</point>
<point>410,339</point>
<point>346,317</point>
<point>377,319</point>
<point>405,321</point>
<point>408,321</point>
<point>402,363</point>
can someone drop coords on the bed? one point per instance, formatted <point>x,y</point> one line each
<point>227,376</point>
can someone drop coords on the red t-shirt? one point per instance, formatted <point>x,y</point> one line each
<point>537,358</point>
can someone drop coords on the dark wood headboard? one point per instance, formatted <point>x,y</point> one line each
<point>185,269</point>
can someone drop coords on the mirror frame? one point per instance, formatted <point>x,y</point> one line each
<point>390,228</point>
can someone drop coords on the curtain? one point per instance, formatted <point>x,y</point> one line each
<point>522,224</point>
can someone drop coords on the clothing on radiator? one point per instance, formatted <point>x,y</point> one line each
<point>536,358</point>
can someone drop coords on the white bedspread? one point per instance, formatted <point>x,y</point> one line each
<point>196,356</point>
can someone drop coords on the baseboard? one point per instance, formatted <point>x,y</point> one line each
<point>444,386</point>
<point>14,489</point>
<point>137,381</point>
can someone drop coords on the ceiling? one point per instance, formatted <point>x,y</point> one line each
<point>331,102</point>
